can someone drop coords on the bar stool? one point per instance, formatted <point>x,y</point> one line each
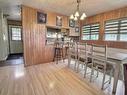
<point>66,49</point>
<point>58,52</point>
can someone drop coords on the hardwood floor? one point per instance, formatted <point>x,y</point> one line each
<point>11,62</point>
<point>47,79</point>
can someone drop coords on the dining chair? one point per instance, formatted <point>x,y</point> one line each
<point>89,59</point>
<point>82,55</point>
<point>100,63</point>
<point>72,53</point>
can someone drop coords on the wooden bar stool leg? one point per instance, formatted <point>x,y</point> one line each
<point>54,55</point>
<point>62,55</point>
<point>57,56</point>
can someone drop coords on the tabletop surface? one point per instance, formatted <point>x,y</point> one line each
<point>117,56</point>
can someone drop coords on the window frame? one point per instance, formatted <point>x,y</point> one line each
<point>91,32</point>
<point>118,30</point>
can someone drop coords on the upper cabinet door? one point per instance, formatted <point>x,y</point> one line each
<point>52,19</point>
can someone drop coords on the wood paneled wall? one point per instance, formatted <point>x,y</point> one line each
<point>34,36</point>
<point>101,18</point>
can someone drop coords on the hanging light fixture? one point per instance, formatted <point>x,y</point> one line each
<point>76,16</point>
<point>71,16</point>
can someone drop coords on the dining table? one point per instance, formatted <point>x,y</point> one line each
<point>117,60</point>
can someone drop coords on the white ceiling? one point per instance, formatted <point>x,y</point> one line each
<point>66,7</point>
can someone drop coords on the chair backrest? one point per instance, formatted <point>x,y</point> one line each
<point>89,50</point>
<point>81,47</point>
<point>72,48</point>
<point>99,54</point>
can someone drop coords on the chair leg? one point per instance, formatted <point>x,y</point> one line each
<point>103,79</point>
<point>57,55</point>
<point>85,71</point>
<point>82,65</point>
<point>97,72</point>
<point>78,67</point>
<point>75,64</point>
<point>110,78</point>
<point>69,61</point>
<point>62,55</point>
<point>92,73</point>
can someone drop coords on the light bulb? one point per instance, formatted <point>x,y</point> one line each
<point>77,14</point>
<point>81,18</point>
<point>71,16</point>
<point>84,15</point>
<point>75,18</point>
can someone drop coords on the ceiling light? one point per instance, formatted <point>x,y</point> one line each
<point>71,16</point>
<point>84,15</point>
<point>77,15</point>
<point>82,18</point>
<point>75,18</point>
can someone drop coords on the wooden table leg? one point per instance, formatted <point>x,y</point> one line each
<point>125,77</point>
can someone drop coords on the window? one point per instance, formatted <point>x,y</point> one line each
<point>116,30</point>
<point>90,32</point>
<point>16,33</point>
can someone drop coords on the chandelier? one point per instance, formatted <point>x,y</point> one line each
<point>77,16</point>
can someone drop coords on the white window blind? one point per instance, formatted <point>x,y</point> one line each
<point>90,32</point>
<point>116,30</point>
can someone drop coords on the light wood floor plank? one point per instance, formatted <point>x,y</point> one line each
<point>45,79</point>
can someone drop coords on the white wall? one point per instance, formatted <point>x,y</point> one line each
<point>4,46</point>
